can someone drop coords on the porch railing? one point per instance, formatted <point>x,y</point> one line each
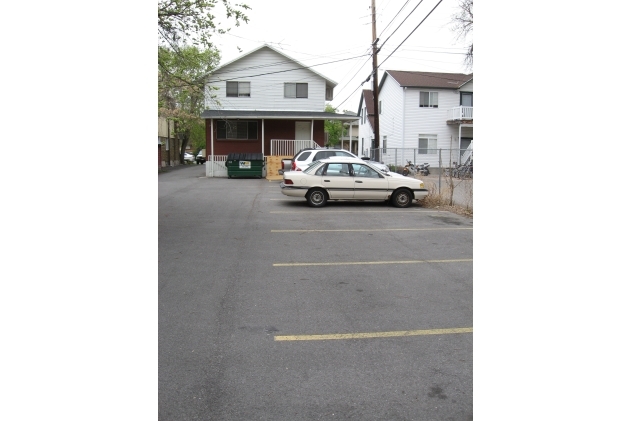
<point>467,156</point>
<point>216,166</point>
<point>284,147</point>
<point>460,113</point>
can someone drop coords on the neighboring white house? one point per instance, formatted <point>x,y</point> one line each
<point>420,113</point>
<point>349,141</point>
<point>264,97</point>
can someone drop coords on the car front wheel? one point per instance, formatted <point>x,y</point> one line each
<point>401,198</point>
<point>316,198</point>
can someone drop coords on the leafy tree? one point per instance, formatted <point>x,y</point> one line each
<point>185,55</point>
<point>181,91</point>
<point>192,22</point>
<point>463,27</point>
<point>334,128</point>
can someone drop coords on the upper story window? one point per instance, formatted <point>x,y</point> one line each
<point>429,99</point>
<point>237,129</point>
<point>379,107</point>
<point>296,90</point>
<point>238,89</point>
<point>329,94</point>
<point>466,99</point>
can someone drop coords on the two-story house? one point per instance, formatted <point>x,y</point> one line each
<point>263,102</point>
<point>423,117</point>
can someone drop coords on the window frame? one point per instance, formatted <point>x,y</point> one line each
<point>357,167</point>
<point>431,148</point>
<point>237,127</point>
<point>430,95</point>
<point>328,94</point>
<point>463,94</point>
<point>295,90</point>
<point>239,94</point>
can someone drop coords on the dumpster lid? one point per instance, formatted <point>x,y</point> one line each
<point>234,156</point>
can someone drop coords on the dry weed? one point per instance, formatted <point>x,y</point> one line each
<point>434,200</point>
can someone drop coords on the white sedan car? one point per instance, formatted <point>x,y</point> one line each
<point>188,157</point>
<point>341,178</point>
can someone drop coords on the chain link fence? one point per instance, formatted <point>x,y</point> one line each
<point>455,162</point>
<point>450,170</point>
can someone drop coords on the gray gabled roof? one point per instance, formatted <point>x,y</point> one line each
<point>301,66</point>
<point>411,79</point>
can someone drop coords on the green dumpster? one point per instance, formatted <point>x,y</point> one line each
<point>245,165</point>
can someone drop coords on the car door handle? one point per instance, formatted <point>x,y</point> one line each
<point>357,181</point>
<point>327,181</point>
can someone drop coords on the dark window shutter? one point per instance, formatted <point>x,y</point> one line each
<point>253,130</point>
<point>221,130</point>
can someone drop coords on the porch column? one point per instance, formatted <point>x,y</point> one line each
<point>459,144</point>
<point>263,137</point>
<point>312,123</point>
<point>212,150</point>
<point>350,137</point>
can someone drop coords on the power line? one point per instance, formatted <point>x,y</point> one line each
<point>430,12</point>
<point>434,52</point>
<point>352,77</point>
<point>371,74</point>
<point>419,3</point>
<point>395,16</point>
<point>351,93</point>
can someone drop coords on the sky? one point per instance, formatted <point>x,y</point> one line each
<point>340,33</point>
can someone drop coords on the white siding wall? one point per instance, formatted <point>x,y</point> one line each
<point>430,121</point>
<point>467,87</point>
<point>267,91</point>
<point>390,121</point>
<point>365,133</point>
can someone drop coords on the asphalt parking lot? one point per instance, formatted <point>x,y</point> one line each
<point>270,309</point>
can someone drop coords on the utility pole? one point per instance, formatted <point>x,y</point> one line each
<point>375,82</point>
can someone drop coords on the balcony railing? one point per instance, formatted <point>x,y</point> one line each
<point>460,113</point>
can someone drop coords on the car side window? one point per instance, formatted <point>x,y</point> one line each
<point>323,154</point>
<point>360,170</point>
<point>303,156</point>
<point>336,170</point>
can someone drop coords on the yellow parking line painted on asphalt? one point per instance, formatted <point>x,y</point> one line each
<point>376,229</point>
<point>367,335</point>
<point>391,262</point>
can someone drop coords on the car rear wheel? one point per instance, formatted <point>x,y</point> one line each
<point>401,198</point>
<point>316,198</point>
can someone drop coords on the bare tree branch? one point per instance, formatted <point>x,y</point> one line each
<point>463,27</point>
